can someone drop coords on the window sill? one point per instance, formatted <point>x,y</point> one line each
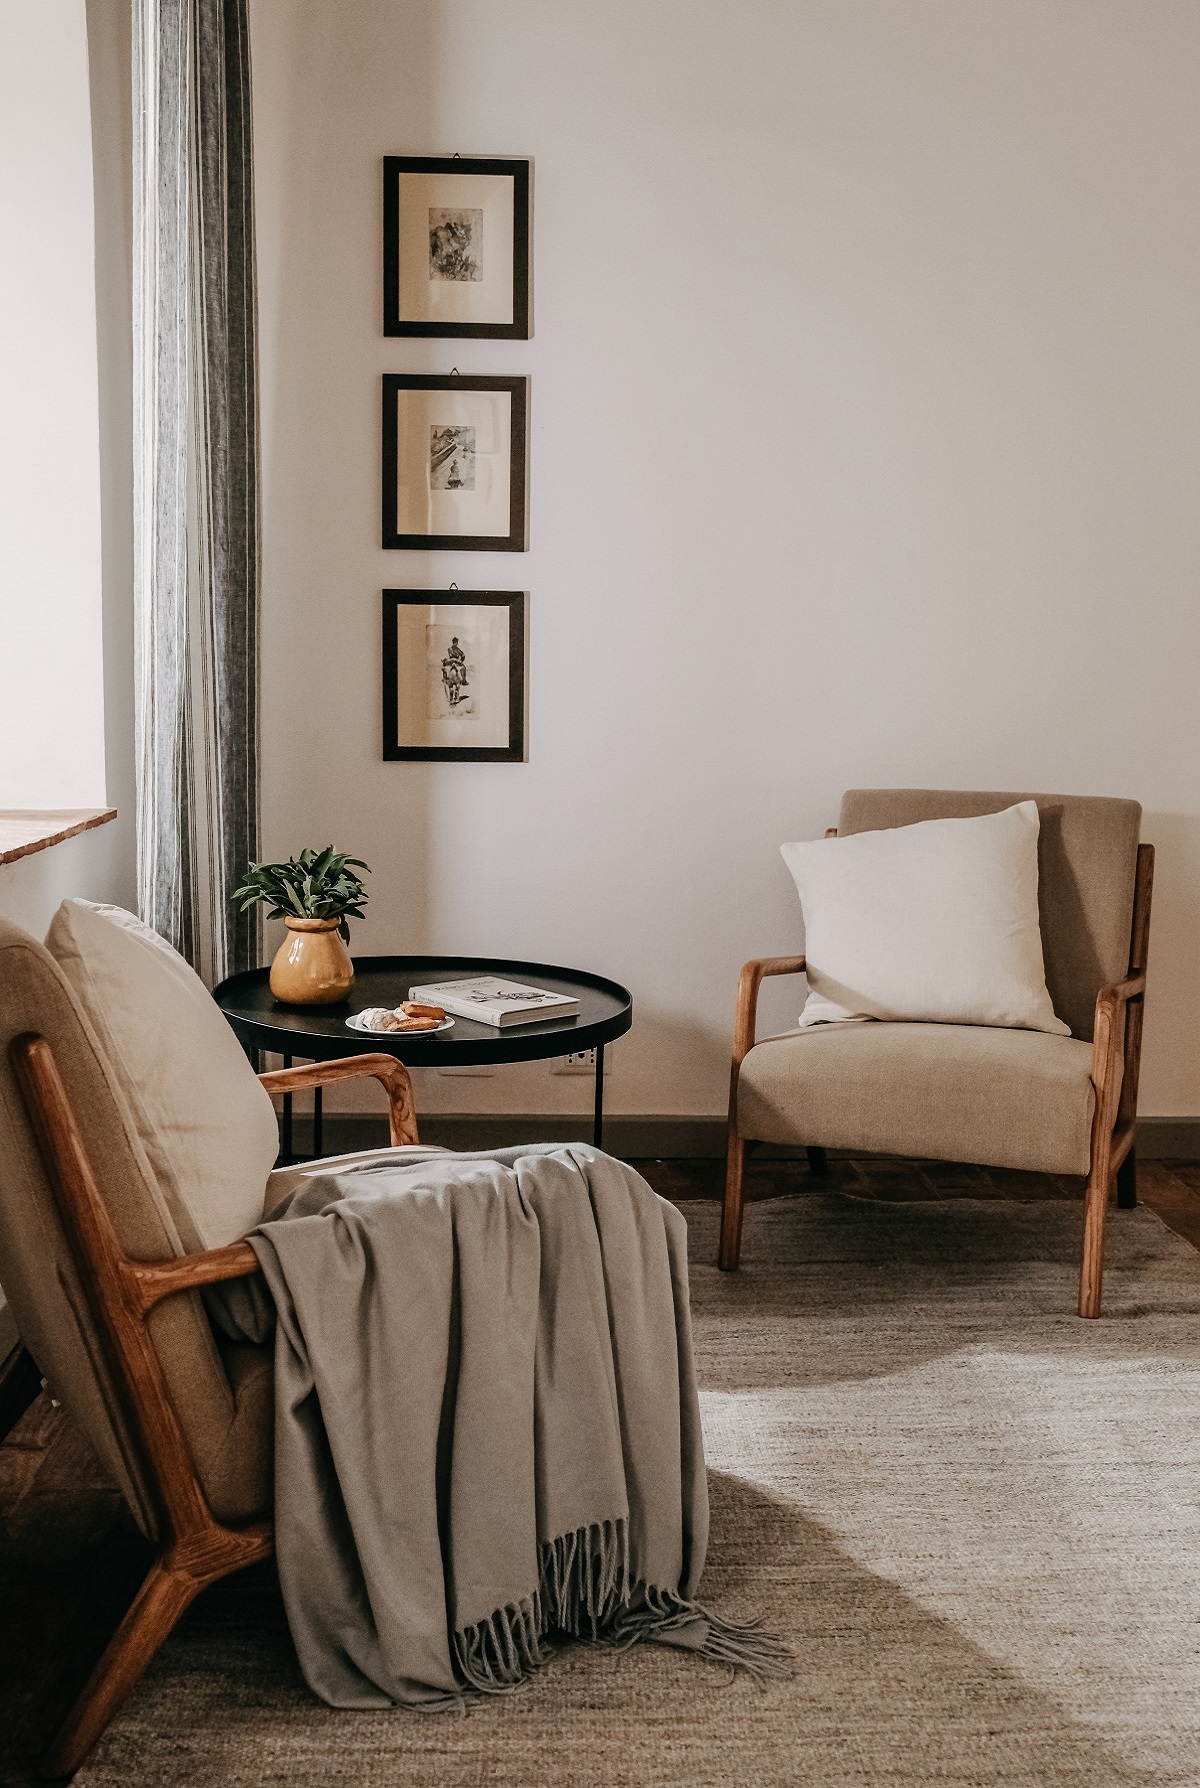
<point>24,830</point>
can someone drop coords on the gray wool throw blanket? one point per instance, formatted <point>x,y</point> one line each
<point>487,1426</point>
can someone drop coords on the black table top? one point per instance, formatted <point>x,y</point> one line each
<point>319,1033</point>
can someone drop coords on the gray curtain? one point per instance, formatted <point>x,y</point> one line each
<point>196,476</point>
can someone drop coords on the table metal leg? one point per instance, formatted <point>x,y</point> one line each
<point>287,1120</point>
<point>318,1124</point>
<point>598,1121</point>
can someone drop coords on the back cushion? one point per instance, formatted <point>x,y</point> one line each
<point>1087,859</point>
<point>38,1268</point>
<point>936,922</point>
<point>204,1120</point>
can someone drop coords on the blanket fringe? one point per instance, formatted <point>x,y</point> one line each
<point>585,1590</point>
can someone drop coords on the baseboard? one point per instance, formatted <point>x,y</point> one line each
<point>1169,1139</point>
<point>635,1138</point>
<point>631,1138</point>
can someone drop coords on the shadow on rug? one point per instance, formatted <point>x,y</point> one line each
<point>975,1519</point>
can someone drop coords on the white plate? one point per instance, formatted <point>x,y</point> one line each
<point>369,1031</point>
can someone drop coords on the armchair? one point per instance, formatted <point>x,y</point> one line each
<point>108,1305</point>
<point>1018,1099</point>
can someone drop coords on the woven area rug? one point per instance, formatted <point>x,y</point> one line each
<point>975,1518</point>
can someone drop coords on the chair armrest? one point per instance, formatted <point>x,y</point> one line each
<point>147,1283</point>
<point>402,1111</point>
<point>1108,1033</point>
<point>1108,1045</point>
<point>746,1010</point>
<point>1119,992</point>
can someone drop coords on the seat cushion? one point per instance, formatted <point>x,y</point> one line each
<point>236,1463</point>
<point>285,1182</point>
<point>949,1092</point>
<point>203,1117</point>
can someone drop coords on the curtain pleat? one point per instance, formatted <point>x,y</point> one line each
<point>227,463</point>
<point>161,110</point>
<point>196,450</point>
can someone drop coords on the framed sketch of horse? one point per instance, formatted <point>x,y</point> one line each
<point>455,455</point>
<point>456,246</point>
<point>454,675</point>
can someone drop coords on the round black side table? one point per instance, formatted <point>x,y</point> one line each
<point>319,1033</point>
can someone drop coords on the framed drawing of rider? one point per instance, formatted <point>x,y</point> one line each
<point>456,246</point>
<point>455,462</point>
<point>454,676</point>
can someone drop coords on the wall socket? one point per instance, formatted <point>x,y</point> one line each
<point>580,1061</point>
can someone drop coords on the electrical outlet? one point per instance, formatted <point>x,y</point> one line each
<point>580,1061</point>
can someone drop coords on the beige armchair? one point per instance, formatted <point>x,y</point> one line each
<point>108,1304</point>
<point>999,1098</point>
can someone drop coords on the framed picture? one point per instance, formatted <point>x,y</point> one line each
<point>455,246</point>
<point>454,462</point>
<point>454,676</point>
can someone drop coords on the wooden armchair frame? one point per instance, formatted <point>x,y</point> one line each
<point>1116,1063</point>
<point>195,1549</point>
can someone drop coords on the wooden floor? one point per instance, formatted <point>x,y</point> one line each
<point>71,1558</point>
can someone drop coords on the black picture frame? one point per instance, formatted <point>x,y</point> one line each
<point>451,167</point>
<point>516,539</point>
<point>516,602</point>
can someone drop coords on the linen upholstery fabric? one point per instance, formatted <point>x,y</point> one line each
<point>204,1118</point>
<point>1002,1098</point>
<point>936,921</point>
<point>1087,860</point>
<point>224,1409</point>
<point>487,1422</point>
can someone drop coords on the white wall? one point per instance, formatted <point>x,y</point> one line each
<point>98,865</point>
<point>88,96</point>
<point>51,694</point>
<point>865,450</point>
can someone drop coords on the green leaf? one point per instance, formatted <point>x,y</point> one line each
<point>315,885</point>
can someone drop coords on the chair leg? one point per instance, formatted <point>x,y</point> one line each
<point>156,1608</point>
<point>1095,1208</point>
<point>818,1162</point>
<point>731,1208</point>
<point>1127,1182</point>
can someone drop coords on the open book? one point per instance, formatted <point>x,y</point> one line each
<point>490,1000</point>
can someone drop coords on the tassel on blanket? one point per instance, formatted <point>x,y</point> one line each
<point>585,1591</point>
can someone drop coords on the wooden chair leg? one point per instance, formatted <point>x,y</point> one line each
<point>731,1208</point>
<point>1095,1209</point>
<point>160,1601</point>
<point>1127,1182</point>
<point>174,1580</point>
<point>818,1161</point>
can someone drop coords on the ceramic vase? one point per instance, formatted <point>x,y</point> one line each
<point>312,965</point>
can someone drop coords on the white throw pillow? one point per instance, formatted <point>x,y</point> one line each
<point>935,922</point>
<point>205,1120</point>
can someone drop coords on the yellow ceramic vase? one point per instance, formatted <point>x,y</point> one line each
<point>312,965</point>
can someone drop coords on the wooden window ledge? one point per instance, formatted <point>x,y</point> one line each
<point>24,830</point>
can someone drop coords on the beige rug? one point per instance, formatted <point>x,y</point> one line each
<point>976,1519</point>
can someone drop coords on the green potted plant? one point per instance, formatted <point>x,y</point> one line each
<point>314,894</point>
